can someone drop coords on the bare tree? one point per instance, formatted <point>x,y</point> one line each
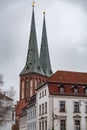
<point>1,79</point>
<point>6,103</point>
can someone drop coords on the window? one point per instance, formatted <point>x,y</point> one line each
<point>39,82</point>
<point>61,89</point>
<point>62,124</point>
<point>76,106</point>
<point>31,87</point>
<point>86,108</point>
<point>22,90</point>
<point>45,124</point>
<point>45,92</point>
<point>33,114</point>
<point>42,125</point>
<point>42,108</point>
<point>39,125</point>
<point>62,106</point>
<point>75,89</point>
<point>45,107</point>
<point>39,109</point>
<point>77,125</point>
<point>35,84</point>
<point>40,95</point>
<point>85,90</point>
<point>43,82</point>
<point>27,87</point>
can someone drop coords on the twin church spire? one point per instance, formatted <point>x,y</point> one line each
<point>34,64</point>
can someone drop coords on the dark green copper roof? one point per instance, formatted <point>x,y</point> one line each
<point>32,61</point>
<point>44,52</point>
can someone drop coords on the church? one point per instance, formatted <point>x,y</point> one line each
<point>37,68</point>
<point>49,101</point>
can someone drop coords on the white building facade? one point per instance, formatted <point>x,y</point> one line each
<point>23,121</point>
<point>31,118</point>
<point>62,104</point>
<point>44,112</point>
<point>69,113</point>
<point>31,114</point>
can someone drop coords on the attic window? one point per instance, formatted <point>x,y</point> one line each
<point>85,90</point>
<point>75,89</point>
<point>61,88</point>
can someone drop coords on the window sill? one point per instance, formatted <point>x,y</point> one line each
<point>63,111</point>
<point>77,112</point>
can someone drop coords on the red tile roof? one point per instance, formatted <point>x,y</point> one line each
<point>69,77</point>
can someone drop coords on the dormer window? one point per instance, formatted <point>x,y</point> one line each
<point>75,89</point>
<point>85,90</point>
<point>61,88</point>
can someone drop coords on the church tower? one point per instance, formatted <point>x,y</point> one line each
<point>44,51</point>
<point>37,69</point>
<point>32,74</point>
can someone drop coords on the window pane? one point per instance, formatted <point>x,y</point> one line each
<point>85,90</point>
<point>27,87</point>
<point>45,107</point>
<point>62,125</point>
<point>76,106</point>
<point>77,125</point>
<point>46,125</point>
<point>39,109</point>
<point>22,90</point>
<point>31,87</point>
<point>39,125</point>
<point>62,106</point>
<point>61,89</point>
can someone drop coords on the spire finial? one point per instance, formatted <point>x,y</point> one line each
<point>44,12</point>
<point>33,3</point>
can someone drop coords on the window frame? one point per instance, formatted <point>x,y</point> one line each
<point>62,124</point>
<point>76,123</point>
<point>62,88</point>
<point>76,107</point>
<point>62,106</point>
<point>75,89</point>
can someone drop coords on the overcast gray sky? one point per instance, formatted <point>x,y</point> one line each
<point>66,22</point>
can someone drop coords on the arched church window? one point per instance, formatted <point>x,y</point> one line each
<point>31,87</point>
<point>39,82</point>
<point>22,90</point>
<point>35,84</point>
<point>27,87</point>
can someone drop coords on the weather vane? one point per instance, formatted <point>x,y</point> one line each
<point>33,3</point>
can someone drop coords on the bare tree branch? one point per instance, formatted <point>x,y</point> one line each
<point>1,79</point>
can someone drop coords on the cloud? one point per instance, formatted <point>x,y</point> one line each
<point>66,22</point>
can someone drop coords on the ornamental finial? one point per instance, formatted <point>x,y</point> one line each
<point>44,12</point>
<point>33,3</point>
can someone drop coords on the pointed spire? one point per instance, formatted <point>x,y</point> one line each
<point>44,52</point>
<point>32,62</point>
